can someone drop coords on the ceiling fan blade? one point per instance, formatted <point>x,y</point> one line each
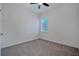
<point>33,3</point>
<point>39,7</point>
<point>46,4</point>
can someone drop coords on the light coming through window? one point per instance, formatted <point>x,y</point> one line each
<point>44,24</point>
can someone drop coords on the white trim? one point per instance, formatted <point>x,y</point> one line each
<point>14,43</point>
<point>60,42</point>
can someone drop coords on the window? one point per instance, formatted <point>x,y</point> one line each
<point>44,24</point>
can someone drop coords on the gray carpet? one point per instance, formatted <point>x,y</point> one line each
<point>40,47</point>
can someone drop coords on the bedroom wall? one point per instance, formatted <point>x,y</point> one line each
<point>77,24</point>
<point>63,25</point>
<point>19,24</point>
<point>0,29</point>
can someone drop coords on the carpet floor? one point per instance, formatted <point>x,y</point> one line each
<point>40,47</point>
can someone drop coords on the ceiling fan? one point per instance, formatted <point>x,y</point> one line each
<point>40,4</point>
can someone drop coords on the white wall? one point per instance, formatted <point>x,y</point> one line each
<point>63,25</point>
<point>0,29</point>
<point>19,24</point>
<point>77,25</point>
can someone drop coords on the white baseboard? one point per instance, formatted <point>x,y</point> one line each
<point>45,38</point>
<point>19,42</point>
<point>60,42</point>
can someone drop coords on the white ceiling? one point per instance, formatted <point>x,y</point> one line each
<point>43,8</point>
<point>34,7</point>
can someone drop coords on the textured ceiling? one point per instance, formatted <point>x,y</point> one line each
<point>43,9</point>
